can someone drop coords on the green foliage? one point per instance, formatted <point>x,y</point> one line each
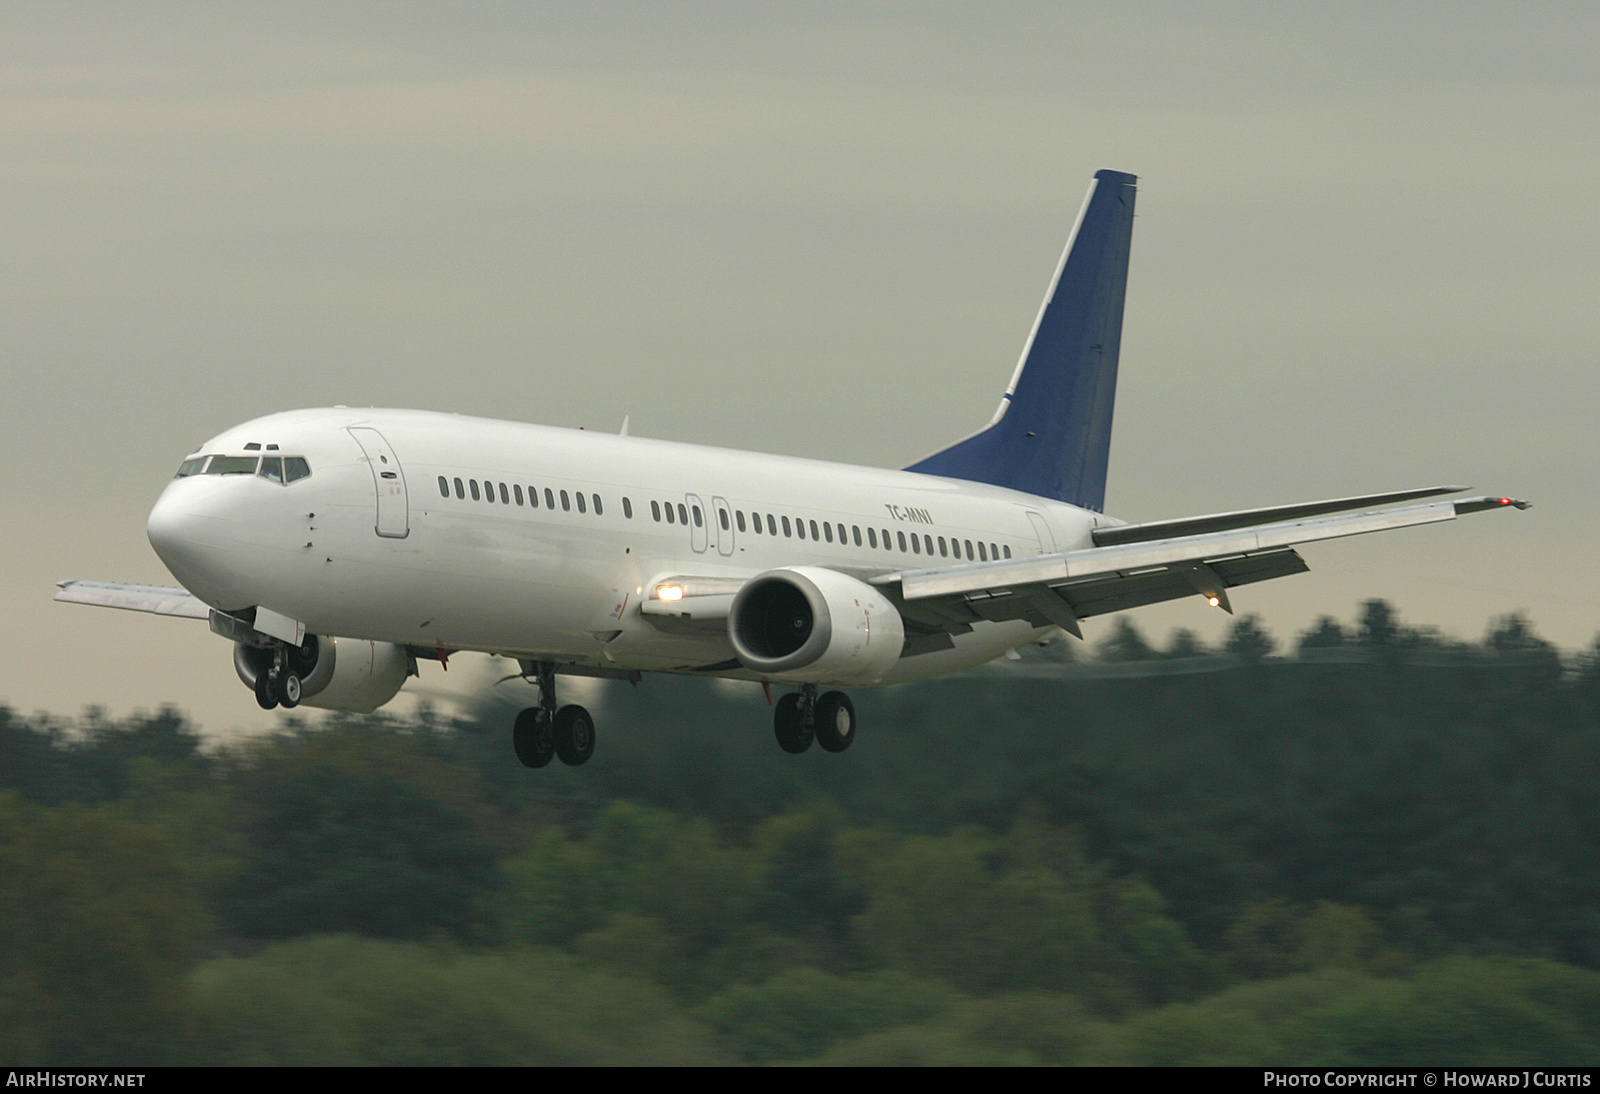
<point>1021,1029</point>
<point>1463,1011</point>
<point>362,1002</point>
<point>655,894</point>
<point>357,831</point>
<point>1182,860</point>
<point>98,926</point>
<point>803,1011</point>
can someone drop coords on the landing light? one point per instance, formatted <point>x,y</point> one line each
<point>1213,601</point>
<point>669,592</point>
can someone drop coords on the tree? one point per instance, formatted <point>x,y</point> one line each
<point>1249,641</point>
<point>1124,643</point>
<point>98,928</point>
<point>362,832</point>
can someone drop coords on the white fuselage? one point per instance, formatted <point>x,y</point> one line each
<point>371,545</point>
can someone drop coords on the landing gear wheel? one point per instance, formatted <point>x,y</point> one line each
<point>574,734</point>
<point>835,721</point>
<point>266,694</point>
<point>289,691</point>
<point>789,724</point>
<point>532,738</point>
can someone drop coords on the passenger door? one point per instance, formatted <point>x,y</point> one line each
<point>393,518</point>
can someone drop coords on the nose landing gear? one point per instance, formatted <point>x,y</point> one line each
<point>280,683</point>
<point>803,716</point>
<point>550,730</point>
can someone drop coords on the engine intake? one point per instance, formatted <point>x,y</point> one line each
<point>809,624</point>
<point>351,674</point>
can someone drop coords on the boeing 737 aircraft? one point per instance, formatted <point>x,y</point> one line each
<point>338,548</point>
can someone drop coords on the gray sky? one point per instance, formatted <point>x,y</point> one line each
<point>1365,260</point>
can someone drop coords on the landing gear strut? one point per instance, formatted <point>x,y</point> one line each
<point>279,685</point>
<point>550,730</point>
<point>803,716</point>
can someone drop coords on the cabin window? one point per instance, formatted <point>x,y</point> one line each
<point>655,511</point>
<point>582,506</point>
<point>916,546</point>
<point>927,541</point>
<point>872,537</point>
<point>1007,550</point>
<point>827,531</point>
<point>488,491</point>
<point>444,487</point>
<point>739,518</point>
<point>994,553</point>
<point>814,530</point>
<point>683,514</point>
<point>772,525</point>
<point>855,532</point>
<point>566,502</point>
<point>786,530</point>
<point>516,492</point>
<point>474,484</point>
<point>983,556</point>
<point>698,521</point>
<point>599,512</point>
<point>533,496</point>
<point>942,553</point>
<point>970,555</point>
<point>505,498</point>
<point>549,498</point>
<point>460,492</point>
<point>841,533</point>
<point>671,518</point>
<point>900,537</point>
<point>722,519</point>
<point>627,508</point>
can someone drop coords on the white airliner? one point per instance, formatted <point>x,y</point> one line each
<point>412,535</point>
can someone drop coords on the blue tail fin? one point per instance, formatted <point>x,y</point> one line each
<point>1051,435</point>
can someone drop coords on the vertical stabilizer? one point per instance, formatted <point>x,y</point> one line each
<point>1051,435</point>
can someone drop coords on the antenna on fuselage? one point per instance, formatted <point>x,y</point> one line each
<point>624,432</point>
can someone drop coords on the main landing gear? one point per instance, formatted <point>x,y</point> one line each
<point>548,730</point>
<point>281,683</point>
<point>804,716</point>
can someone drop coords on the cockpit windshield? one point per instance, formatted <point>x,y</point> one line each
<point>280,469</point>
<point>232,465</point>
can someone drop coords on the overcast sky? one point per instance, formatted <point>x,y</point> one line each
<point>1365,259</point>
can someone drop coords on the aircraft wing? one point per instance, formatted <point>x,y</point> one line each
<point>1064,588</point>
<point>157,599</point>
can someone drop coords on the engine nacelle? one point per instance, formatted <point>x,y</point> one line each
<point>351,674</point>
<point>808,624</point>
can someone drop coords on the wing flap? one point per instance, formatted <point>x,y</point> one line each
<point>1108,561</point>
<point>1062,588</point>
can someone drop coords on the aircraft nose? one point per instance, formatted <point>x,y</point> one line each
<point>191,540</point>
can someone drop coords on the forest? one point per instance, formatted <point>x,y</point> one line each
<point>1364,844</point>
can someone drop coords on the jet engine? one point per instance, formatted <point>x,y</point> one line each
<point>351,674</point>
<point>808,624</point>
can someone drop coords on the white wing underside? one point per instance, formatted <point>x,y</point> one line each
<point>156,599</point>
